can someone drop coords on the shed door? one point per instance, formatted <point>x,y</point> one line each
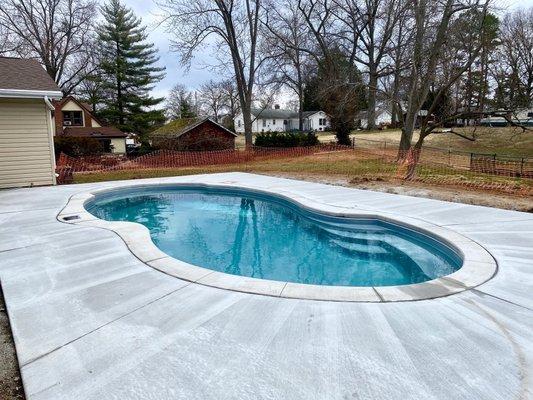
<point>26,147</point>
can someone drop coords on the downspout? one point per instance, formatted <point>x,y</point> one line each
<point>49,103</point>
<point>51,128</point>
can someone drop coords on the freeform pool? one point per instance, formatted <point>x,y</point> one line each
<point>245,233</point>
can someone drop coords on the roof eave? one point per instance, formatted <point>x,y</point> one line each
<point>68,98</point>
<point>99,136</point>
<point>221,126</point>
<point>171,135</point>
<point>30,94</point>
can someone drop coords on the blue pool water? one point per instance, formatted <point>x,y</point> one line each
<point>243,233</point>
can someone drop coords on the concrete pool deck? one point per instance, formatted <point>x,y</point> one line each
<point>91,321</point>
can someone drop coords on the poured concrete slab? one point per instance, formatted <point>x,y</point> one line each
<point>91,321</point>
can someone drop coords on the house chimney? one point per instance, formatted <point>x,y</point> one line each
<point>276,106</point>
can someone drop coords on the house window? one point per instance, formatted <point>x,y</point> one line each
<point>285,122</point>
<point>530,114</point>
<point>322,121</point>
<point>239,123</point>
<point>72,118</point>
<point>273,122</point>
<point>264,122</point>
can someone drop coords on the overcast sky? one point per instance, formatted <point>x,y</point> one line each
<point>198,73</point>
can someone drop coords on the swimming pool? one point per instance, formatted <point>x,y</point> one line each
<point>246,233</point>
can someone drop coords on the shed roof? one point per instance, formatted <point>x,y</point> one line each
<point>178,127</point>
<point>24,74</point>
<point>95,132</point>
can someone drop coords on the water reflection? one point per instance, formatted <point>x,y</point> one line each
<point>149,210</point>
<point>245,235</point>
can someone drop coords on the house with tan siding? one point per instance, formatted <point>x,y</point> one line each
<point>26,128</point>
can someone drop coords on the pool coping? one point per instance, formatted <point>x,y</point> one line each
<point>479,265</point>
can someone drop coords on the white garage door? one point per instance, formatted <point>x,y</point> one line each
<point>26,147</point>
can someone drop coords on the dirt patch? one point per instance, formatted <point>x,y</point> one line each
<point>506,202</point>
<point>10,381</point>
<point>456,195</point>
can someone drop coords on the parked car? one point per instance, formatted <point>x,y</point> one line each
<point>132,150</point>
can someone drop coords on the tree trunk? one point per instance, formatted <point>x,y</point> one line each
<point>247,117</point>
<point>300,98</point>
<point>120,106</point>
<point>394,115</point>
<point>413,158</point>
<point>407,134</point>
<point>371,109</point>
<point>395,109</point>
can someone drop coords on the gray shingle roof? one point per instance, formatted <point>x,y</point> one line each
<point>100,131</point>
<point>23,74</point>
<point>273,113</point>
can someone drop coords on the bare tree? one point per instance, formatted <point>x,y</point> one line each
<point>232,27</point>
<point>470,91</point>
<point>6,42</point>
<point>231,98</point>
<point>212,97</point>
<point>334,53</point>
<point>287,41</point>
<point>369,25</point>
<point>513,72</point>
<point>435,70</point>
<point>58,33</point>
<point>432,29</point>
<point>180,103</point>
<point>394,84</point>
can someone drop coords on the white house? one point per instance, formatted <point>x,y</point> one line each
<point>383,118</point>
<point>279,120</point>
<point>521,117</point>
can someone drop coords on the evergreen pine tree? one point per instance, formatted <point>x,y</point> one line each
<point>128,71</point>
<point>187,110</point>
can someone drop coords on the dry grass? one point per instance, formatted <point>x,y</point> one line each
<point>353,169</point>
<point>350,165</point>
<point>501,141</point>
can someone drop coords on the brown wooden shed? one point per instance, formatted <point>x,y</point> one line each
<point>193,134</point>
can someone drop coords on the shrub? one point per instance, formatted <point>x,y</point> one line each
<point>77,146</point>
<point>144,148</point>
<point>286,139</point>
